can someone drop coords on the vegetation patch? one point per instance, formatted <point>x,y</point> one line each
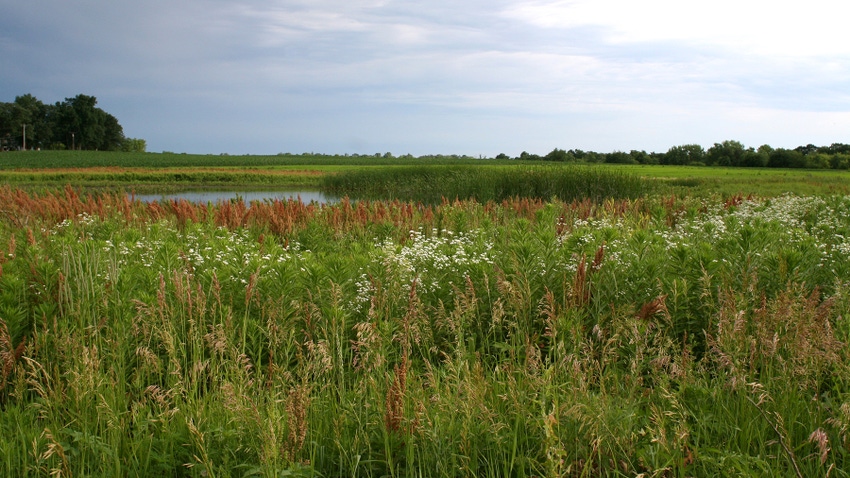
<point>434,184</point>
<point>665,336</point>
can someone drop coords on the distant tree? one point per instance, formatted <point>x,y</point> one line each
<point>80,122</point>
<point>656,158</point>
<point>818,161</point>
<point>113,133</point>
<point>502,156</point>
<point>526,156</point>
<point>727,153</point>
<point>25,115</point>
<point>807,149</point>
<point>134,145</point>
<point>786,158</point>
<point>641,157</point>
<point>593,157</point>
<point>836,148</point>
<point>619,157</point>
<point>578,154</point>
<point>840,161</point>
<point>684,154</point>
<point>556,155</point>
<point>6,131</point>
<point>757,158</point>
<point>765,149</point>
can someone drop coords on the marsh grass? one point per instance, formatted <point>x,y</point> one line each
<point>657,336</point>
<point>430,184</point>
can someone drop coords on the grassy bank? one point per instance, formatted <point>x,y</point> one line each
<point>160,179</point>
<point>666,336</point>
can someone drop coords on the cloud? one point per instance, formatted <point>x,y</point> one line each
<point>765,27</point>
<point>476,76</point>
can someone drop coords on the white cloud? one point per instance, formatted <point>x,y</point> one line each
<point>816,28</point>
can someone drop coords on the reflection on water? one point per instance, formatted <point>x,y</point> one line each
<point>213,197</point>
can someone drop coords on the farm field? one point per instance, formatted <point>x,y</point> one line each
<point>674,330</point>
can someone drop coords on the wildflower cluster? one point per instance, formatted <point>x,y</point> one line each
<point>431,259</point>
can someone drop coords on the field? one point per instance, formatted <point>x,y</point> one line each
<point>673,331</point>
<point>160,172</point>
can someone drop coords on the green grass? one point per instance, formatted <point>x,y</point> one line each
<point>158,180</point>
<point>669,336</point>
<point>432,184</point>
<point>170,171</point>
<point>100,159</point>
<point>701,180</point>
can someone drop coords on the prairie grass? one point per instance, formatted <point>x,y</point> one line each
<point>663,336</point>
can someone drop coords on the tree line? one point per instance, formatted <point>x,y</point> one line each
<point>76,123</point>
<point>727,153</point>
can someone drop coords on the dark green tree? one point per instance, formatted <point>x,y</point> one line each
<point>80,123</point>
<point>641,157</point>
<point>786,158</point>
<point>684,154</point>
<point>619,157</point>
<point>727,153</point>
<point>26,115</point>
<point>556,155</point>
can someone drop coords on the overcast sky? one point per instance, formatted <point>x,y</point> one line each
<point>475,77</point>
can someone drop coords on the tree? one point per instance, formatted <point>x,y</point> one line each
<point>641,157</point>
<point>757,158</point>
<point>619,157</point>
<point>807,149</point>
<point>556,155</point>
<point>727,153</point>
<point>134,145</point>
<point>113,133</point>
<point>836,148</point>
<point>81,122</point>
<point>786,158</point>
<point>6,140</point>
<point>526,156</point>
<point>684,154</point>
<point>26,115</point>
<point>840,161</point>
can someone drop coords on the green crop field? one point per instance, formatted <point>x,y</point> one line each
<point>662,321</point>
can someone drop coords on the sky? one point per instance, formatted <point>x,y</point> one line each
<point>467,77</point>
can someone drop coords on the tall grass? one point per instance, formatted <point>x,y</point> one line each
<point>655,336</point>
<point>432,184</point>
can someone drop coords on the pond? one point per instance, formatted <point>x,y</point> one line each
<point>213,197</point>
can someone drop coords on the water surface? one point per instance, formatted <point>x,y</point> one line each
<point>213,197</point>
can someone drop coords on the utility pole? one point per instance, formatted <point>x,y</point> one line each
<point>73,141</point>
<point>25,136</point>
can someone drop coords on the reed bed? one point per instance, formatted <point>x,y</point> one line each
<point>523,337</point>
<point>432,184</point>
